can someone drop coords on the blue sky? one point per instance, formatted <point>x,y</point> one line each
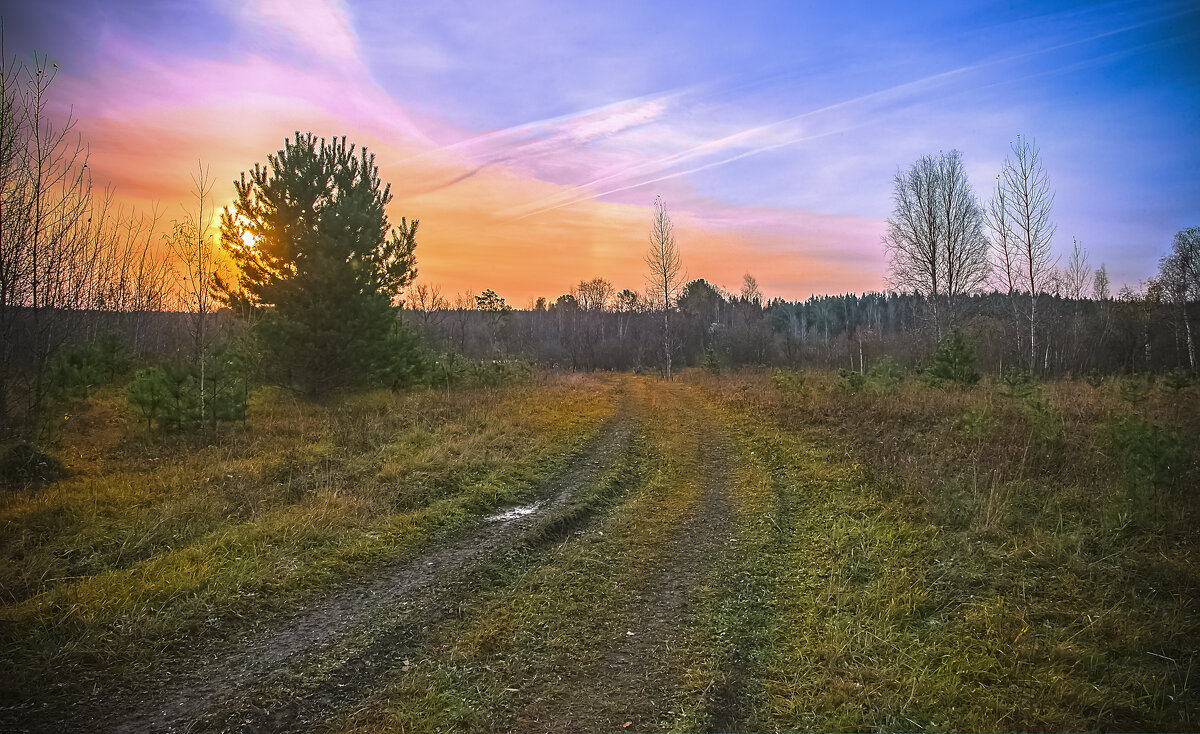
<point>773,129</point>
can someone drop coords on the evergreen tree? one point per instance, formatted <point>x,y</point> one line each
<point>318,258</point>
<point>954,362</point>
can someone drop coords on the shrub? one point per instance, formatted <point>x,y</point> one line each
<point>1135,389</point>
<point>75,372</point>
<point>453,370</point>
<point>498,372</point>
<point>1045,423</point>
<point>149,393</point>
<point>1146,453</point>
<point>1018,382</point>
<point>978,423</point>
<point>25,463</point>
<point>885,373</point>
<point>227,390</point>
<point>954,362</point>
<point>791,382</point>
<point>1177,379</point>
<point>169,395</point>
<point>405,362</point>
<point>851,380</point>
<point>447,370</point>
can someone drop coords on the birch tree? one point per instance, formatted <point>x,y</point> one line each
<point>1179,273</point>
<point>935,239</point>
<point>1077,283</point>
<point>1027,201</point>
<point>191,243</point>
<point>666,273</point>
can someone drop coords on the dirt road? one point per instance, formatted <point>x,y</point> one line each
<point>634,679</point>
<point>331,658</point>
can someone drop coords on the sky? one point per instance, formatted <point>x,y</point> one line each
<point>531,139</point>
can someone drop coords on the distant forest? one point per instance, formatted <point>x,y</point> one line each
<point>595,328</point>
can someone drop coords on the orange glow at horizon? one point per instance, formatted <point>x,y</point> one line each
<point>463,244</point>
<point>468,239</point>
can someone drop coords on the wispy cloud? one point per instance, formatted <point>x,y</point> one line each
<point>322,27</point>
<point>525,143</point>
<point>806,126</point>
<point>833,119</point>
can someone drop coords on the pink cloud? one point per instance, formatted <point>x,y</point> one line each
<point>149,119</point>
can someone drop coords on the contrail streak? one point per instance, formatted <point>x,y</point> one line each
<point>576,194</point>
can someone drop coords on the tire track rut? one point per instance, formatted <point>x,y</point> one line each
<point>332,652</point>
<point>639,672</point>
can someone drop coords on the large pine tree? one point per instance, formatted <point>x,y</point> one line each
<point>318,259</point>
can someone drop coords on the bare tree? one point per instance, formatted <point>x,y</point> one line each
<point>427,300</point>
<point>1077,275</point>
<point>197,255</point>
<point>751,293</point>
<point>1027,203</point>
<point>594,294</point>
<point>14,220</point>
<point>666,273</point>
<point>1076,280</point>
<point>913,240</point>
<point>935,236</point>
<point>48,243</point>
<point>64,251</point>
<point>1004,251</point>
<point>463,303</point>
<point>130,275</point>
<point>1102,294</point>
<point>1003,241</point>
<point>1101,284</point>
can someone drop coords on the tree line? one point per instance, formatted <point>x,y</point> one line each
<point>1130,331</point>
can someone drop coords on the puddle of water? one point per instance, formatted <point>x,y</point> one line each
<point>516,512</point>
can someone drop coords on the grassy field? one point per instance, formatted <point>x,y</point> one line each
<point>773,551</point>
<point>159,540</point>
<point>963,560</point>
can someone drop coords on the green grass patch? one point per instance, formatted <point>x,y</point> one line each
<point>963,561</point>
